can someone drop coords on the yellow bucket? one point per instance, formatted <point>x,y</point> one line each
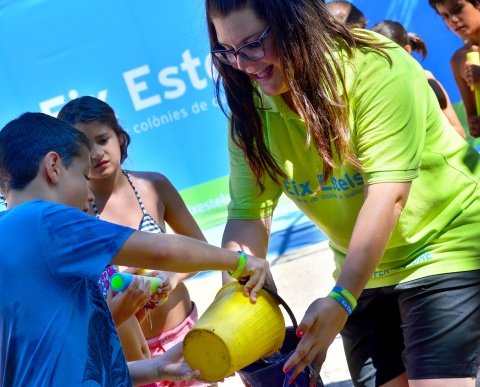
<point>233,333</point>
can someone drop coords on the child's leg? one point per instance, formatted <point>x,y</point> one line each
<point>133,342</point>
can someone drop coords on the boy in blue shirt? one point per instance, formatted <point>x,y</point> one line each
<point>55,327</point>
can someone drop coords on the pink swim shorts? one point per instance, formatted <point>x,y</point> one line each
<point>166,340</point>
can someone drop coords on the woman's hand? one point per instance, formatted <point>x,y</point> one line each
<point>124,305</point>
<point>322,322</point>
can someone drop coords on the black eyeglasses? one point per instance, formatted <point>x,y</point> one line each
<point>251,51</point>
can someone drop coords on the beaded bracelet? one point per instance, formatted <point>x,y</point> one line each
<point>345,293</point>
<point>342,301</point>
<point>242,263</point>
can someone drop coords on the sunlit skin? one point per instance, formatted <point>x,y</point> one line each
<point>73,188</point>
<point>240,27</point>
<point>105,151</point>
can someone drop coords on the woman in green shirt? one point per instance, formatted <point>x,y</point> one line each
<point>345,124</point>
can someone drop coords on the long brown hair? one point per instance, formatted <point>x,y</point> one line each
<point>305,36</point>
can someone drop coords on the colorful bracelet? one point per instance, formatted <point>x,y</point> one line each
<point>345,293</point>
<point>342,301</point>
<point>242,263</point>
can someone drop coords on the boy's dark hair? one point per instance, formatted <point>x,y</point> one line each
<point>88,109</point>
<point>434,3</point>
<point>26,140</point>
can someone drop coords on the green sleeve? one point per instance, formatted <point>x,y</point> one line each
<point>247,201</point>
<point>388,115</point>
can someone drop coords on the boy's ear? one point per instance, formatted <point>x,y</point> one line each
<point>52,164</point>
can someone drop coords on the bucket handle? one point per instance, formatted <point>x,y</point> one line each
<point>280,301</point>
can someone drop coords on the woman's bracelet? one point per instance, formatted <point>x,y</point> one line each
<point>346,294</point>
<point>242,263</point>
<point>342,301</point>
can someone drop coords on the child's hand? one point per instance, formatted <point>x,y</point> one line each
<point>169,366</point>
<point>125,304</point>
<point>474,125</point>
<point>258,271</point>
<point>472,74</point>
<point>172,366</point>
<point>169,280</point>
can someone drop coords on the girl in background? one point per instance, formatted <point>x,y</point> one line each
<point>145,201</point>
<point>347,13</point>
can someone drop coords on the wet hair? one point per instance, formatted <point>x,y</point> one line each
<point>88,109</point>
<point>301,30</point>
<point>26,140</point>
<point>396,32</point>
<point>347,13</point>
<point>434,3</point>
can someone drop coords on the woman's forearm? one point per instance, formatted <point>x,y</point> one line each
<point>375,222</point>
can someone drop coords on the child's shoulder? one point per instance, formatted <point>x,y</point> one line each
<point>33,212</point>
<point>30,206</point>
<point>146,176</point>
<point>148,180</point>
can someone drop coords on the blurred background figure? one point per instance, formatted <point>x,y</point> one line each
<point>414,43</point>
<point>462,17</point>
<point>347,13</point>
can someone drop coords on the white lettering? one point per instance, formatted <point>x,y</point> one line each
<point>189,65</point>
<point>165,80</point>
<point>209,68</point>
<point>53,105</point>
<point>134,89</point>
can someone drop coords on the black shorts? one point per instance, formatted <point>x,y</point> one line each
<point>429,328</point>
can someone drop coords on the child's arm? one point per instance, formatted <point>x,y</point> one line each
<point>169,366</point>
<point>472,74</point>
<point>458,68</point>
<point>447,108</point>
<point>182,254</point>
<point>177,215</point>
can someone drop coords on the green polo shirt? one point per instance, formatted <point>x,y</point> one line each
<point>399,134</point>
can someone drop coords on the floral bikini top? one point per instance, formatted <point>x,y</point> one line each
<point>147,224</point>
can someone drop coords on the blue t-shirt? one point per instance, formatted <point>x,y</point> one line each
<point>55,327</point>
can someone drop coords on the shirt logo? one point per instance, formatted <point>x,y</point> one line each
<point>343,187</point>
